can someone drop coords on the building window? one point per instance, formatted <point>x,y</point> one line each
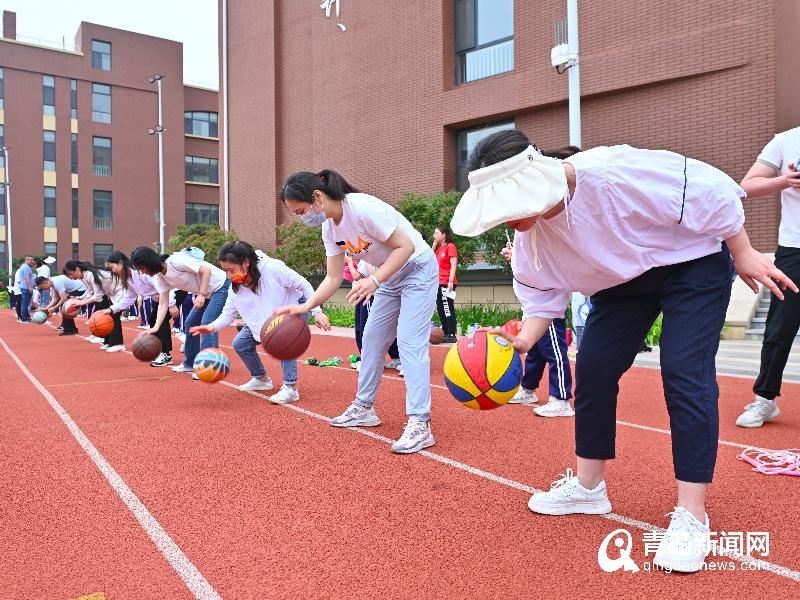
<point>49,150</point>
<point>101,55</point>
<point>49,207</point>
<point>101,252</point>
<point>200,123</point>
<point>202,213</point>
<point>2,211</point>
<point>1,89</point>
<point>3,257</point>
<point>201,170</point>
<point>51,249</point>
<point>467,139</point>
<point>101,156</point>
<point>74,207</point>
<point>49,94</point>
<point>74,153</point>
<point>484,38</point>
<point>101,103</point>
<point>2,143</point>
<point>75,252</point>
<point>73,98</point>
<point>101,208</point>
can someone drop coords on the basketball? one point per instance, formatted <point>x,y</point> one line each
<point>100,324</point>
<point>211,365</point>
<point>285,337</point>
<point>146,347</point>
<point>71,310</point>
<point>483,371</point>
<point>437,335</point>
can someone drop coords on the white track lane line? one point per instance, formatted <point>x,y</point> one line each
<point>190,574</point>
<point>630,522</point>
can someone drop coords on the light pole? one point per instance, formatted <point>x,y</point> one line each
<point>159,130</point>
<point>7,189</point>
<point>574,75</point>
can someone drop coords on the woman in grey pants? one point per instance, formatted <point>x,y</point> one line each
<point>404,287</point>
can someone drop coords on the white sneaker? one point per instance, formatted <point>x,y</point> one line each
<point>400,372</point>
<point>162,360</point>
<point>524,396</point>
<point>181,336</point>
<point>117,348</point>
<point>181,348</point>
<point>393,364</point>
<point>285,395</point>
<point>357,416</point>
<point>416,436</point>
<point>568,497</point>
<point>142,327</point>
<point>89,338</point>
<point>555,407</point>
<point>104,347</point>
<point>181,368</point>
<point>356,365</point>
<point>685,543</point>
<point>758,412</point>
<point>255,385</point>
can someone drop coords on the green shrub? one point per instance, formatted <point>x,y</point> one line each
<point>301,248</point>
<point>209,238</point>
<point>340,315</point>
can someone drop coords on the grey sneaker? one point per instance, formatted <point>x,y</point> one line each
<point>758,412</point>
<point>524,396</point>
<point>392,364</point>
<point>416,436</point>
<point>357,416</point>
<point>285,395</point>
<point>685,544</point>
<point>162,360</point>
<point>255,384</point>
<point>568,497</point>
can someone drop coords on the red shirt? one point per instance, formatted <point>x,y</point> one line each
<point>443,255</point>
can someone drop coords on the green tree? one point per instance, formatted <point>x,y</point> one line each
<point>427,211</point>
<point>301,248</point>
<point>210,238</point>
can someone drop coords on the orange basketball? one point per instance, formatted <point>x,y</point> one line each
<point>100,324</point>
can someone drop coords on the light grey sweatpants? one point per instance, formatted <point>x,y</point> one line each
<point>402,308</point>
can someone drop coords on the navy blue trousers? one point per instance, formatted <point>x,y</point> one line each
<point>552,349</point>
<point>693,297</point>
<point>362,314</point>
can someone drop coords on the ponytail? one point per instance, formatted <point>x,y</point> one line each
<point>301,186</point>
<point>72,265</point>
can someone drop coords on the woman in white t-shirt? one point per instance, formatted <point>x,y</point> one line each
<point>259,285</point>
<point>404,287</point>
<point>109,292</point>
<point>184,272</point>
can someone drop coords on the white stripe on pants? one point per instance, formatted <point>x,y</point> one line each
<point>402,308</point>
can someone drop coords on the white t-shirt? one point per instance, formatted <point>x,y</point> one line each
<point>278,286</point>
<point>43,271</point>
<point>784,150</point>
<point>183,273</point>
<point>366,223</point>
<point>64,285</point>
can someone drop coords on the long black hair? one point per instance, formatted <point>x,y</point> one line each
<point>85,266</point>
<point>302,185</point>
<point>119,258</point>
<point>237,252</point>
<point>501,145</point>
<point>147,260</point>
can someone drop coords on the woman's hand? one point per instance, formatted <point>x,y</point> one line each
<point>199,301</point>
<point>174,312</point>
<point>519,344</point>
<point>200,329</point>
<point>321,320</point>
<point>753,267</point>
<point>151,331</point>
<point>292,309</point>
<point>507,252</point>
<point>362,291</point>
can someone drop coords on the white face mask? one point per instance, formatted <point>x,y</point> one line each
<point>313,219</point>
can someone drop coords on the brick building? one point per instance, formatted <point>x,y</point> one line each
<point>83,169</point>
<point>394,94</point>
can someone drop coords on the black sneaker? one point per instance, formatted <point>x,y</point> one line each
<point>450,339</point>
<point>68,333</point>
<point>162,361</point>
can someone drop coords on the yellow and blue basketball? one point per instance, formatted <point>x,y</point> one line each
<point>483,371</point>
<point>211,365</point>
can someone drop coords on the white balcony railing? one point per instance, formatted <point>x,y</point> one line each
<point>102,223</point>
<point>101,170</point>
<point>101,117</point>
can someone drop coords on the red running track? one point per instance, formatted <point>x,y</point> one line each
<point>269,501</point>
